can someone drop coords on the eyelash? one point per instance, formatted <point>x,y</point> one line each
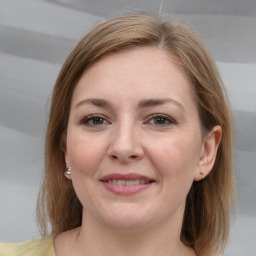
<point>162,117</point>
<point>86,121</point>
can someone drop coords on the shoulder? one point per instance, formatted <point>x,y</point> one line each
<point>39,247</point>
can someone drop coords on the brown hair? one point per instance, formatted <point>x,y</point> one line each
<point>207,214</point>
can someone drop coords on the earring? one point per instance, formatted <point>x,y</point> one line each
<point>201,173</point>
<point>68,171</point>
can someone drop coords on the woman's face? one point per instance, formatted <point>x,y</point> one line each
<point>133,141</point>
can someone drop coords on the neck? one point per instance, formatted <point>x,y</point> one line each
<point>160,239</point>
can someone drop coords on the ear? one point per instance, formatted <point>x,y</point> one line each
<point>208,153</point>
<point>68,176</point>
<point>64,149</point>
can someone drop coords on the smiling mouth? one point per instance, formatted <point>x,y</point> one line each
<point>128,179</point>
<point>128,182</point>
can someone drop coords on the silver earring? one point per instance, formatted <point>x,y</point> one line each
<point>68,171</point>
<point>202,175</point>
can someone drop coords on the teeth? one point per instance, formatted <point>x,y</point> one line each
<point>127,182</point>
<point>121,182</point>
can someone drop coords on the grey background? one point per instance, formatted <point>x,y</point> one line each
<point>36,37</point>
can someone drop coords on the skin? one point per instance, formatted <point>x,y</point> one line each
<point>127,135</point>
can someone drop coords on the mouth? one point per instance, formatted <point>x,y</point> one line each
<point>126,184</point>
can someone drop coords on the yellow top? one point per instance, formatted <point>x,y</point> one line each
<point>38,247</point>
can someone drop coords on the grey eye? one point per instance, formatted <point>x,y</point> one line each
<point>161,120</point>
<point>94,121</point>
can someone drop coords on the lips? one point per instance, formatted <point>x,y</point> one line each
<point>126,184</point>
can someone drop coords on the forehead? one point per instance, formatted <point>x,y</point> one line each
<point>135,73</point>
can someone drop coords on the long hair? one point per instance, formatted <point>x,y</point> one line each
<point>207,214</point>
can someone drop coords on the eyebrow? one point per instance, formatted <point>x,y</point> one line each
<point>94,101</point>
<point>142,104</point>
<point>157,102</point>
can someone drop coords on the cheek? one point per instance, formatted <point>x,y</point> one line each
<point>84,153</point>
<point>176,158</point>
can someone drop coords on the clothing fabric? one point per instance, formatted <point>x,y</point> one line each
<point>36,247</point>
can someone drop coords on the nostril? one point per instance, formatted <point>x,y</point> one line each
<point>116,157</point>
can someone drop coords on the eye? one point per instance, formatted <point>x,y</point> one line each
<point>94,121</point>
<point>161,120</point>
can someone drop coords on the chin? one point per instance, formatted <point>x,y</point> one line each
<point>127,217</point>
<point>124,225</point>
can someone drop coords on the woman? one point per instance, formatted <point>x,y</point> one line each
<point>138,154</point>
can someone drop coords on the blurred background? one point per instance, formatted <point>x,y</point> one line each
<point>36,36</point>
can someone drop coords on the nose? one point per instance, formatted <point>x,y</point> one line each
<point>125,145</point>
